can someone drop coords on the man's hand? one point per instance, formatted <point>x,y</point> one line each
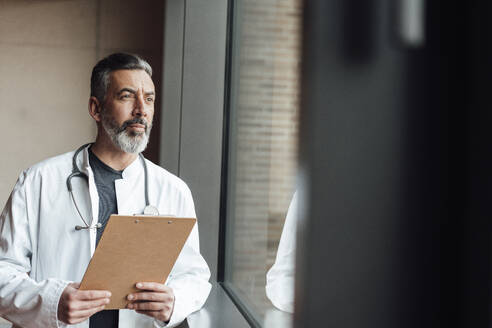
<point>155,300</point>
<point>78,305</point>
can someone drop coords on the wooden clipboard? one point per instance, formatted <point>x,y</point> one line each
<point>134,249</point>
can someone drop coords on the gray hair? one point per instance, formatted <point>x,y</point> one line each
<point>114,62</point>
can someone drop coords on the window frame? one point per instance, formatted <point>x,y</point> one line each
<point>227,185</point>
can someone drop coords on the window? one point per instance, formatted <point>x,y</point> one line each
<point>262,144</point>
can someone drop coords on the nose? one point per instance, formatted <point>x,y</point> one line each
<point>139,105</point>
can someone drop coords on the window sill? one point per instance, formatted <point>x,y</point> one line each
<point>220,311</point>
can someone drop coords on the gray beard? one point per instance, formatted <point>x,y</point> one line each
<point>128,142</point>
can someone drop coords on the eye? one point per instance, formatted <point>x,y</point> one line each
<point>126,95</point>
<point>150,99</point>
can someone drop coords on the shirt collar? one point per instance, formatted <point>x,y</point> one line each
<point>128,172</point>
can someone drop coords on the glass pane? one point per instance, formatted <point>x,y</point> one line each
<point>262,144</point>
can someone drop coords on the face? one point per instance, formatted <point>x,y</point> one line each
<point>128,109</point>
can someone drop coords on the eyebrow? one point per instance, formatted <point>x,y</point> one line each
<point>149,93</point>
<point>127,90</point>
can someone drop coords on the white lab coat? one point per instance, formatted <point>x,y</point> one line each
<point>41,252</point>
<point>280,278</point>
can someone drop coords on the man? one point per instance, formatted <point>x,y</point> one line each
<point>43,256</point>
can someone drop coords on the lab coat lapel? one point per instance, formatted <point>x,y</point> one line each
<point>130,190</point>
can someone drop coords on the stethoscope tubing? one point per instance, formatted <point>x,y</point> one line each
<point>76,172</point>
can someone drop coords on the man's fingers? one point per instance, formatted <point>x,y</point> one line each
<point>148,306</point>
<point>152,286</point>
<point>77,305</point>
<point>88,305</point>
<point>87,313</point>
<point>80,316</point>
<point>150,296</point>
<point>91,294</point>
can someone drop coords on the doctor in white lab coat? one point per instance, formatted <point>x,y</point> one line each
<point>43,256</point>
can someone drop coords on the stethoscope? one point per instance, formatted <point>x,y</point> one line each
<point>148,210</point>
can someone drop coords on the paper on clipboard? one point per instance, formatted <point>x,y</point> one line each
<point>134,249</point>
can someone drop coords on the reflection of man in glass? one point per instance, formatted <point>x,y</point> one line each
<point>280,277</point>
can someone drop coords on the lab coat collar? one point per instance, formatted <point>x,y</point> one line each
<point>132,169</point>
<point>83,161</point>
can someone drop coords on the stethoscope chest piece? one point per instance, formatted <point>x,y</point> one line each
<point>150,210</point>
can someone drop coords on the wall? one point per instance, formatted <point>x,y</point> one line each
<point>48,49</point>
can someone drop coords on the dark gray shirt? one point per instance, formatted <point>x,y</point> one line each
<point>104,177</point>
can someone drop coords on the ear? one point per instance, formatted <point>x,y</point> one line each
<point>95,109</point>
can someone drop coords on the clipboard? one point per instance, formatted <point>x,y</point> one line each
<point>134,249</point>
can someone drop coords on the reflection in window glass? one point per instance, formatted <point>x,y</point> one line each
<point>262,141</point>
